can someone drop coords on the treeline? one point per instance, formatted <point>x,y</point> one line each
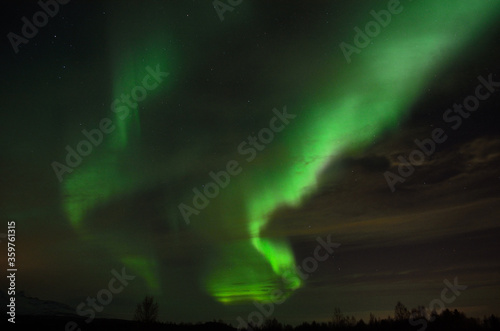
<point>444,321</point>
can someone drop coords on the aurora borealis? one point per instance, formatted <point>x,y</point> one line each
<point>184,93</point>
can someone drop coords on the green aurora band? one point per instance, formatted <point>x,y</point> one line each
<point>102,178</point>
<point>376,91</point>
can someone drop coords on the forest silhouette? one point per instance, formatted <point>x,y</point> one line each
<point>146,313</point>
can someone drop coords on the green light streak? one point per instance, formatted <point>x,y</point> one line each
<point>130,69</point>
<point>368,98</point>
<point>91,186</point>
<point>365,99</point>
<point>146,268</point>
<point>245,276</point>
<point>103,176</point>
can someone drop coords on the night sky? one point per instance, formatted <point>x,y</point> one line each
<point>211,150</point>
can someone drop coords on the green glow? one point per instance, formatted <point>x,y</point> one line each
<point>130,68</point>
<point>90,186</point>
<point>365,99</point>
<point>144,267</point>
<point>102,176</point>
<point>246,276</point>
<point>369,97</point>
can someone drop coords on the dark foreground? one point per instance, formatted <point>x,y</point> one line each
<point>447,320</point>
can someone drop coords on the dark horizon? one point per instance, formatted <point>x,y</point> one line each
<point>436,321</point>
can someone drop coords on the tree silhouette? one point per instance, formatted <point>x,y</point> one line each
<point>272,324</point>
<point>401,313</point>
<point>338,317</point>
<point>147,311</point>
<point>373,319</point>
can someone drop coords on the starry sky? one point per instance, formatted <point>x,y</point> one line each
<point>210,150</point>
